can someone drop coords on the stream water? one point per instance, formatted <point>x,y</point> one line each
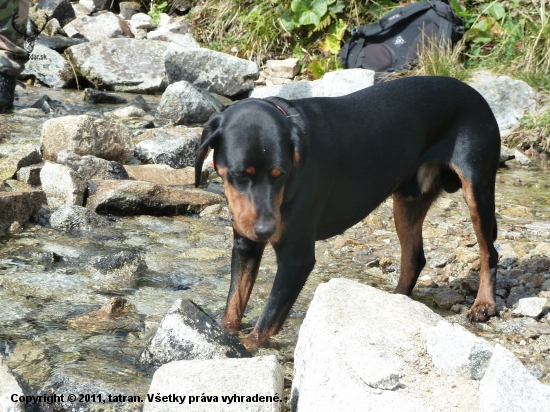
<point>45,277</point>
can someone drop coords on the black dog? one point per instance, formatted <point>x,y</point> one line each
<point>305,170</point>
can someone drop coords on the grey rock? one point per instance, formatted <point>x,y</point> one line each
<point>140,102</point>
<point>454,350</point>
<point>105,4</point>
<point>58,43</point>
<point>187,41</point>
<point>521,158</point>
<point>100,26</point>
<point>187,332</point>
<point>261,376</point>
<point>142,21</point>
<point>26,156</point>
<point>175,151</point>
<point>62,185</point>
<point>76,218</point>
<point>447,298</point>
<point>123,264</point>
<point>62,10</point>
<point>131,197</point>
<point>72,32</point>
<point>186,104</point>
<point>49,67</point>
<point>85,135</point>
<point>361,349</point>
<point>515,326</point>
<point>544,343</point>
<point>30,174</point>
<point>8,387</point>
<point>505,154</point>
<point>519,292</point>
<point>333,84</point>
<point>121,64</point>
<point>128,9</point>
<point>508,386</point>
<point>49,105</point>
<point>508,98</point>
<point>53,27</point>
<point>96,97</point>
<point>210,70</point>
<point>128,111</point>
<point>19,207</point>
<point>531,307</point>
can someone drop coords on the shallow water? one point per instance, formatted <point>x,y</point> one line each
<point>45,278</point>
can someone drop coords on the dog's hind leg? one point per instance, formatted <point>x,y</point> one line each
<point>409,215</point>
<point>479,193</point>
<point>245,263</point>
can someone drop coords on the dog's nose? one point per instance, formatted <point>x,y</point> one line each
<point>264,230</point>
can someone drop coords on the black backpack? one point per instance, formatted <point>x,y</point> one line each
<point>393,42</point>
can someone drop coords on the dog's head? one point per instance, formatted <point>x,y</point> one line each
<point>258,152</point>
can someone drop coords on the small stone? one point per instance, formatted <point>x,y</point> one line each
<point>530,307</point>
<point>287,68</point>
<point>76,218</point>
<point>129,111</point>
<point>142,21</point>
<point>96,97</point>
<point>116,314</point>
<point>521,158</point>
<point>30,174</point>
<point>26,156</point>
<point>471,285</point>
<point>447,298</point>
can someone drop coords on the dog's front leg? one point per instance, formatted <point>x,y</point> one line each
<point>245,262</point>
<point>295,263</point>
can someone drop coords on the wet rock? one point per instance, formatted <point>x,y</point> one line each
<point>76,218</point>
<point>26,156</point>
<point>140,102</point>
<point>128,9</point>
<point>186,41</point>
<point>30,361</point>
<point>49,105</point>
<point>78,380</point>
<point>111,64</point>
<point>62,10</point>
<point>124,263</point>
<point>19,207</point>
<point>8,387</point>
<point>58,43</point>
<point>210,70</point>
<point>508,386</point>
<point>117,314</point>
<point>447,298</point>
<point>49,67</point>
<point>176,151</point>
<point>358,340</point>
<point>454,350</point>
<point>333,84</point>
<point>531,307</point>
<point>30,174</point>
<point>101,26</point>
<point>187,332</point>
<point>163,174</point>
<point>470,285</point>
<point>508,98</point>
<point>128,111</point>
<point>91,167</point>
<point>85,135</point>
<point>134,197</point>
<point>260,376</point>
<point>521,158</point>
<point>186,104</point>
<point>96,97</point>
<point>287,68</point>
<point>142,21</point>
<point>62,185</point>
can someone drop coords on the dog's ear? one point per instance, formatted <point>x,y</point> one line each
<point>209,139</point>
<point>299,157</point>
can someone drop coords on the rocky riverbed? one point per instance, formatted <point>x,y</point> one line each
<point>50,278</point>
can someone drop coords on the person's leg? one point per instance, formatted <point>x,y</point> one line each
<point>13,56</point>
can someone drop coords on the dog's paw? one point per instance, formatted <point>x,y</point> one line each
<point>230,326</point>
<point>482,311</point>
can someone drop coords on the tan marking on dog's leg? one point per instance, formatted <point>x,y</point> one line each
<point>484,306</point>
<point>409,216</point>
<point>278,223</point>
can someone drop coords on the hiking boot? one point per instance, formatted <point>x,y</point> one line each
<point>7,92</point>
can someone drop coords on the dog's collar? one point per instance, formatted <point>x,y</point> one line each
<point>288,110</point>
